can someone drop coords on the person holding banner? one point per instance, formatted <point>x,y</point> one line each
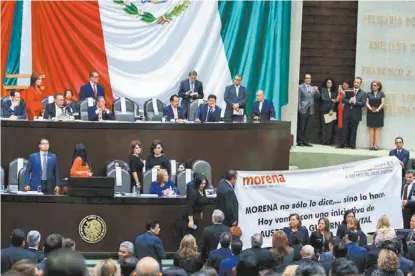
<point>226,200</point>
<point>341,230</point>
<point>295,228</point>
<point>321,238</point>
<point>408,203</point>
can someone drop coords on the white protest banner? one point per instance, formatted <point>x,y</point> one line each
<point>371,187</point>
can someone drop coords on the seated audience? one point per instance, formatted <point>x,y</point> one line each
<point>290,270</point>
<point>247,265</point>
<point>307,255</point>
<point>163,186</point>
<point>227,265</point>
<point>321,238</point>
<point>295,228</point>
<point>99,112</point>
<point>410,240</point>
<point>383,223</point>
<point>52,244</point>
<point>69,243</point>
<point>216,256</point>
<point>107,268</point>
<point>383,237</point>
<point>262,109</point>
<point>56,109</point>
<point>33,241</point>
<point>209,112</point>
<point>174,271</point>
<point>33,97</point>
<point>136,165</point>
<point>80,166</point>
<point>128,265</point>
<point>148,266</point>
<point>341,230</point>
<point>174,111</point>
<point>208,271</point>
<point>263,257</point>
<point>14,108</point>
<point>396,246</point>
<point>343,267</point>
<point>388,264</point>
<point>149,244</point>
<point>297,246</point>
<point>282,253</point>
<point>25,267</point>
<point>211,234</point>
<point>157,159</point>
<point>196,200</point>
<point>340,249</point>
<point>70,102</point>
<point>236,232</point>
<point>354,251</point>
<point>65,262</point>
<point>16,251</point>
<point>309,267</point>
<point>91,89</point>
<point>408,200</point>
<point>126,251</point>
<point>353,223</point>
<point>187,257</point>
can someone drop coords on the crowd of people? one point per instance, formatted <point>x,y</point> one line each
<point>220,251</point>
<point>22,105</point>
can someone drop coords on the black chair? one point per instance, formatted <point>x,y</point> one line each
<point>153,110</point>
<point>124,110</point>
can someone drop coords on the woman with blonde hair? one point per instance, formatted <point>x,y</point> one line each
<point>383,222</point>
<point>188,257</point>
<point>388,264</point>
<point>290,270</point>
<point>163,186</point>
<point>282,253</point>
<point>353,223</point>
<point>107,268</point>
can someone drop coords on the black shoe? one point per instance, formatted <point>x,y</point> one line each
<point>339,147</point>
<point>375,148</point>
<point>300,145</point>
<point>353,147</point>
<point>308,145</point>
<point>371,148</point>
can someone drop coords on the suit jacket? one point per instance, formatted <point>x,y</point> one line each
<point>306,99</point>
<point>39,255</point>
<point>403,156</point>
<point>211,235</point>
<point>190,265</point>
<point>316,240</point>
<point>168,113</point>
<point>355,109</point>
<point>263,257</point>
<point>303,232</point>
<point>358,255</point>
<point>93,116</point>
<point>267,111</point>
<point>149,245</point>
<point>185,87</point>
<point>18,111</point>
<point>231,99</point>
<point>202,113</point>
<point>226,266</point>
<point>50,111</point>
<point>86,91</point>
<point>306,261</point>
<point>216,256</point>
<point>327,103</point>
<point>13,254</point>
<point>297,252</point>
<point>405,265</point>
<point>33,174</point>
<point>227,202</point>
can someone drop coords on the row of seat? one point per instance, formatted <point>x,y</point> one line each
<point>118,169</point>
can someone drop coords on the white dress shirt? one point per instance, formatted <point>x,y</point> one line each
<point>93,85</point>
<point>237,90</point>
<point>260,106</point>
<point>58,111</point>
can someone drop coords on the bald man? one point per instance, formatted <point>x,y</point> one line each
<point>147,266</point>
<point>262,109</point>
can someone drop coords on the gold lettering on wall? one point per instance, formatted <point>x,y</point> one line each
<point>410,21</point>
<point>388,45</point>
<point>381,71</point>
<point>413,46</point>
<point>392,20</point>
<point>406,108</point>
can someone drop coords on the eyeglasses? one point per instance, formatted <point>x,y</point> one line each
<point>43,143</point>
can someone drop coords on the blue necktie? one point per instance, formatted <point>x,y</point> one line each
<point>209,115</point>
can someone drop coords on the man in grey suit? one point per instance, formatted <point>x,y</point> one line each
<point>352,113</point>
<point>306,95</point>
<point>236,97</point>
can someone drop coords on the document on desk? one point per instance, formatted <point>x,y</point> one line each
<point>328,118</point>
<point>238,113</point>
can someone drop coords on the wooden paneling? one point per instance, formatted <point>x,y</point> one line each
<point>328,46</point>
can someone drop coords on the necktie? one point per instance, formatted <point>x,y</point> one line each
<point>175,113</point>
<point>237,91</point>
<point>192,86</point>
<point>260,107</point>
<point>355,92</point>
<point>405,192</point>
<point>209,116</point>
<point>399,153</point>
<point>95,90</point>
<point>44,167</point>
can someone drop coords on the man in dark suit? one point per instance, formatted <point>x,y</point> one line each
<point>42,170</point>
<point>211,234</point>
<point>263,256</point>
<point>408,203</point>
<point>307,254</point>
<point>226,200</point>
<point>190,89</point>
<point>91,89</point>
<point>174,111</point>
<point>236,98</point>
<point>352,113</point>
<point>14,108</point>
<point>227,265</point>
<point>216,256</point>
<point>16,252</point>
<point>53,243</point>
<point>401,153</point>
<point>328,106</point>
<point>354,252</point>
<point>262,109</point>
<point>99,112</point>
<point>149,244</point>
<point>57,108</point>
<point>33,240</point>
<point>209,112</point>
<point>306,95</point>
